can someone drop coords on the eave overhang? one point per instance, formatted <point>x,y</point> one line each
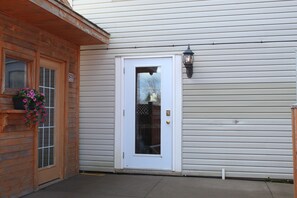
<point>56,18</point>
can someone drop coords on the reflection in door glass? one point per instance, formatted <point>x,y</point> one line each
<point>148,110</point>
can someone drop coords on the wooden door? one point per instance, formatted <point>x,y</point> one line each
<point>50,134</point>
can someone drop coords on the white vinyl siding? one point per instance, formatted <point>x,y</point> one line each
<point>96,117</point>
<point>236,107</point>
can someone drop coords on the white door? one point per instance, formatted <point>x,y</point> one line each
<point>148,113</point>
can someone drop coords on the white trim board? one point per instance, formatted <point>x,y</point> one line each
<point>177,114</point>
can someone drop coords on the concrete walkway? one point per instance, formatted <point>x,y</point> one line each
<point>124,186</point>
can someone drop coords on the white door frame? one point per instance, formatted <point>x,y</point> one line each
<point>177,111</point>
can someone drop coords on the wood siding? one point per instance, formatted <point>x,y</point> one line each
<point>236,107</point>
<point>18,150</point>
<point>16,161</point>
<point>294,141</point>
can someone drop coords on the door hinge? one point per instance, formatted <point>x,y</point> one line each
<point>123,112</point>
<point>124,70</point>
<point>123,155</point>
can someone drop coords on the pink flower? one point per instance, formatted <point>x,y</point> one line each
<point>34,105</point>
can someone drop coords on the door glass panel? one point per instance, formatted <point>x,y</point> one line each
<point>148,110</point>
<point>46,130</point>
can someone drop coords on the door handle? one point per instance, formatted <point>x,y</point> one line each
<point>167,121</point>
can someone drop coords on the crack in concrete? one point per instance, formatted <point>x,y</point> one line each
<point>153,187</point>
<point>269,190</point>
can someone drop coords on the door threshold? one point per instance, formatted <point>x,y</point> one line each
<point>148,172</point>
<point>44,185</point>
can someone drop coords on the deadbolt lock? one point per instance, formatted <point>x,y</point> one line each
<point>167,121</point>
<point>167,112</point>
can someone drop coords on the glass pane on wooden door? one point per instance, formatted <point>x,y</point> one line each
<point>46,130</point>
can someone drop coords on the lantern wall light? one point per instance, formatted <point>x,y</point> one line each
<point>188,59</point>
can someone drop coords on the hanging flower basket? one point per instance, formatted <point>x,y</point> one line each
<point>32,102</point>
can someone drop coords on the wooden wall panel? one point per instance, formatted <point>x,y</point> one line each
<point>17,142</point>
<point>294,141</point>
<point>16,163</point>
